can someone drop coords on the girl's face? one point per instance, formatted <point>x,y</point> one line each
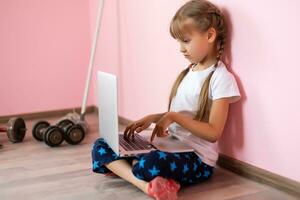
<point>195,45</point>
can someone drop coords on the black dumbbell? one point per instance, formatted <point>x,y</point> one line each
<point>55,135</point>
<point>15,129</point>
<point>73,133</point>
<point>52,135</point>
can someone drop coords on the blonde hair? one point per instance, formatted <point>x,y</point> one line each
<point>205,15</point>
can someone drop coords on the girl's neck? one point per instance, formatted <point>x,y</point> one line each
<point>207,61</point>
<point>204,64</point>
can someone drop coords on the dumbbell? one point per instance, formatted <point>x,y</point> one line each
<point>74,133</point>
<point>15,129</point>
<point>55,135</point>
<point>52,135</point>
<point>74,128</point>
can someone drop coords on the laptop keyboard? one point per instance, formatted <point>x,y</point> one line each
<point>138,143</point>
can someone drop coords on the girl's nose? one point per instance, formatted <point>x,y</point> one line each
<point>182,47</point>
<point>182,50</point>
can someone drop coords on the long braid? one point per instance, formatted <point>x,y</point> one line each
<point>204,103</point>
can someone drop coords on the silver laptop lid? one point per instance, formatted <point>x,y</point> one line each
<point>108,109</point>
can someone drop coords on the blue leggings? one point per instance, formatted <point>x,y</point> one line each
<point>185,168</point>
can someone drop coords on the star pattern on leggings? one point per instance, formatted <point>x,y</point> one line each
<point>102,151</point>
<point>177,155</point>
<point>173,166</point>
<point>95,164</point>
<point>195,166</point>
<point>185,168</point>
<point>206,173</point>
<point>198,175</point>
<point>162,155</point>
<point>154,171</point>
<point>141,163</point>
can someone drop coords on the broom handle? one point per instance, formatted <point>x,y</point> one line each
<point>91,61</point>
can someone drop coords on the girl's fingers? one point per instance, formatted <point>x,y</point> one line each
<point>132,129</point>
<point>127,130</point>
<point>165,133</point>
<point>130,132</point>
<point>161,133</point>
<point>139,129</point>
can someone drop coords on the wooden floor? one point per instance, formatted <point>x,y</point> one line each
<point>32,170</point>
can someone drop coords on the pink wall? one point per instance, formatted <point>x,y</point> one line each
<point>43,54</point>
<point>262,127</point>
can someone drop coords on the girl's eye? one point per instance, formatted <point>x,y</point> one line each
<point>186,41</point>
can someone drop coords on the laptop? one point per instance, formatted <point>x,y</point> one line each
<point>107,103</point>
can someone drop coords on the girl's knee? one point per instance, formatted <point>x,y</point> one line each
<point>98,144</point>
<point>150,165</point>
<point>101,149</point>
<point>102,154</point>
<point>141,172</point>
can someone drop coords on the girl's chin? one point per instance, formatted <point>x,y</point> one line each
<point>188,58</point>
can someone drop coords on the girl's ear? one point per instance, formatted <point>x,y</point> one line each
<point>211,35</point>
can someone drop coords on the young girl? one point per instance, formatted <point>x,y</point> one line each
<point>197,112</point>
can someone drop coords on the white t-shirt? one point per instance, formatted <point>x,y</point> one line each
<point>222,84</point>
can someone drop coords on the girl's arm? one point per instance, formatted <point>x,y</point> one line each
<point>210,131</point>
<point>157,117</point>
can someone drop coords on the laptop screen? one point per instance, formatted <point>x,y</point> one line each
<point>107,103</point>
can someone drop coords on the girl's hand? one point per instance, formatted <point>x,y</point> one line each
<point>162,125</point>
<point>138,126</point>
